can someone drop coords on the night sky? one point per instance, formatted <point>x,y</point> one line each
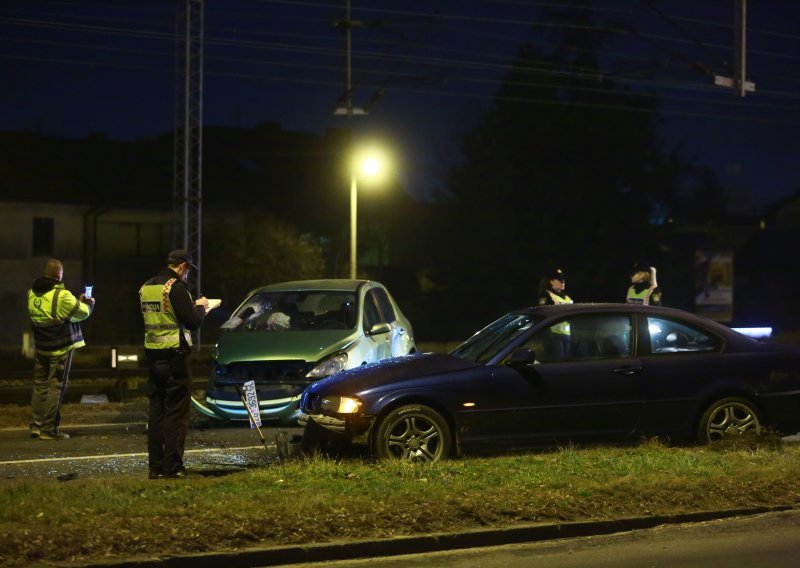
<point>74,68</point>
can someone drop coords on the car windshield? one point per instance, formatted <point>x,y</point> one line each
<point>294,311</point>
<point>493,338</point>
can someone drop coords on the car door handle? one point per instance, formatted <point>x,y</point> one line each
<point>628,371</point>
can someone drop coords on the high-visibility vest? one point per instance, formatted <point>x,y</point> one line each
<point>558,299</point>
<point>54,315</point>
<point>563,327</point>
<point>161,327</point>
<point>641,297</point>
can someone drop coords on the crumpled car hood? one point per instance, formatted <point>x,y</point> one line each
<point>308,346</point>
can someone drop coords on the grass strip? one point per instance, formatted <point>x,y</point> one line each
<point>319,500</point>
<point>16,416</point>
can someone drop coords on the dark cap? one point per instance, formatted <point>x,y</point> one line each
<point>641,267</point>
<point>179,255</point>
<point>556,274</point>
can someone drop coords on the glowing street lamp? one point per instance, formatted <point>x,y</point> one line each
<point>367,163</point>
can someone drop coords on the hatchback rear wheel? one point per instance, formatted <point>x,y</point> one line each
<point>728,418</point>
<point>413,432</point>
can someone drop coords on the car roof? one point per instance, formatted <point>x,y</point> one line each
<point>596,307</point>
<point>332,284</point>
<point>568,309</point>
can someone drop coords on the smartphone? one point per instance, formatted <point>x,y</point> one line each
<point>87,290</point>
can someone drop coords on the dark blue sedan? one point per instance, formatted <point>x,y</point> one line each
<point>545,375</point>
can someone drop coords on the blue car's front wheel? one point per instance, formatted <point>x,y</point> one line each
<point>413,432</point>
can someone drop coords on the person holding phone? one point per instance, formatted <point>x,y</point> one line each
<point>169,315</point>
<point>55,314</point>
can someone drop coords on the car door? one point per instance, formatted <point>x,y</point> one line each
<point>400,338</point>
<point>584,384</point>
<point>681,361</point>
<point>378,345</point>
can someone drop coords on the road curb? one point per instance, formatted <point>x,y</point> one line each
<point>296,554</point>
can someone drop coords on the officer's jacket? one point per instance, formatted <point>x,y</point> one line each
<point>550,297</point>
<point>644,294</point>
<point>168,312</point>
<point>55,313</point>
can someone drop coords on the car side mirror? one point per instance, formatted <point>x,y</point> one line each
<point>379,329</point>
<point>521,357</point>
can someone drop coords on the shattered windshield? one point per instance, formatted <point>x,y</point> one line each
<point>493,338</point>
<point>294,310</point>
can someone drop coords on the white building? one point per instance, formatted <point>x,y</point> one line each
<point>115,249</point>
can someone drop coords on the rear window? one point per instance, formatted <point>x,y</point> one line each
<point>668,336</point>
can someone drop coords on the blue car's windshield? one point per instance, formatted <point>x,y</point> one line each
<point>293,311</point>
<point>489,341</point>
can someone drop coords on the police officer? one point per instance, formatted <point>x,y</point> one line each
<point>644,287</point>
<point>169,315</point>
<point>55,314</point>
<point>551,289</point>
<point>551,292</point>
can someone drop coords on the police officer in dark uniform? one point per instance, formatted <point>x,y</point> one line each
<point>644,287</point>
<point>169,315</point>
<point>551,292</point>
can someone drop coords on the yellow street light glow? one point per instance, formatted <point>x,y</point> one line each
<point>469,404</point>
<point>368,164</point>
<point>371,166</point>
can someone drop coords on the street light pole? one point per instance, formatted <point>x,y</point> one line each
<point>348,24</point>
<point>353,182</point>
<point>371,163</point>
<point>353,223</point>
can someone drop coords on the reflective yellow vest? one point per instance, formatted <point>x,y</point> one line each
<point>54,315</point>
<point>642,297</point>
<point>562,328</point>
<point>161,327</point>
<point>558,299</point>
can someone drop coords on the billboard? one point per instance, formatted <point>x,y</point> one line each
<point>714,284</point>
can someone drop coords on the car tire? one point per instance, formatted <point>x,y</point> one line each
<point>728,418</point>
<point>413,432</point>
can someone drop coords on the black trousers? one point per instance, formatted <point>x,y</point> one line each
<point>169,390</point>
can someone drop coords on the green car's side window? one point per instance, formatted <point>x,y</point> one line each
<point>371,313</point>
<point>385,305</point>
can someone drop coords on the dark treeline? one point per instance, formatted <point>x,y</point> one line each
<point>566,169</point>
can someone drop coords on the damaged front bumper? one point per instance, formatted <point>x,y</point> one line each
<point>285,410</point>
<point>356,427</point>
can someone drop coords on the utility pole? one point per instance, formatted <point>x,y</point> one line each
<point>188,142</point>
<point>739,81</point>
<point>347,25</point>
<point>740,42</point>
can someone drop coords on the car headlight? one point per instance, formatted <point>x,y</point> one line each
<point>329,366</point>
<point>340,404</point>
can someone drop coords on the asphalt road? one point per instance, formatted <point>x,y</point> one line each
<point>761,541</point>
<point>108,449</point>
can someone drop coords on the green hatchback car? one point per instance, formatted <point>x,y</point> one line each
<point>286,336</point>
